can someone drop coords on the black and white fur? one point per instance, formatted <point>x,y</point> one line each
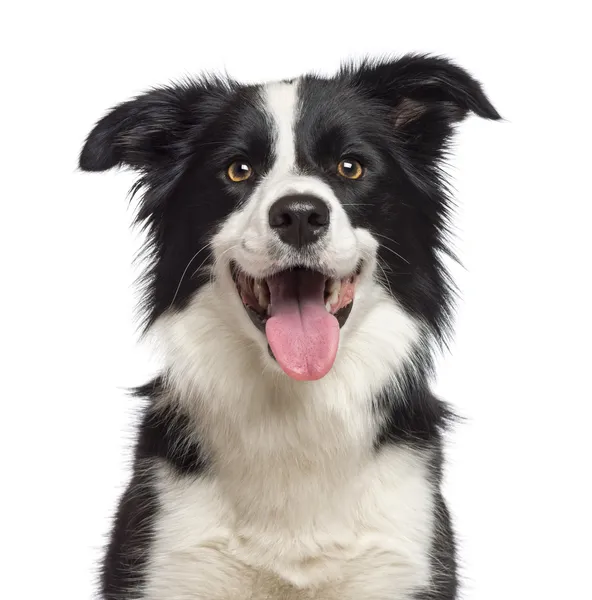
<point>248,484</point>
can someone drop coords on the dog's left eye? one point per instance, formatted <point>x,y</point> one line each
<point>350,168</point>
<point>239,171</point>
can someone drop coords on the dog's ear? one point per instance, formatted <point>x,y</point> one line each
<point>426,94</point>
<point>143,132</point>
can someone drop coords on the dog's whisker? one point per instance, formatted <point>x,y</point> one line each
<point>185,271</point>
<point>386,238</point>
<point>395,253</point>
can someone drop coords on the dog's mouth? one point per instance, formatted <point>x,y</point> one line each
<point>301,312</point>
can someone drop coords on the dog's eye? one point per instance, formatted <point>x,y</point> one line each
<point>239,171</point>
<point>350,168</point>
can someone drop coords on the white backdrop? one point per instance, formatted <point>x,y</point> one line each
<point>519,471</point>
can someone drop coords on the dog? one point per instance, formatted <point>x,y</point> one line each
<point>297,238</point>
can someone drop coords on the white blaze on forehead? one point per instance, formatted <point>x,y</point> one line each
<point>281,104</point>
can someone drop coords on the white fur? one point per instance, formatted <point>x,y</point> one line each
<point>368,537</point>
<point>297,505</point>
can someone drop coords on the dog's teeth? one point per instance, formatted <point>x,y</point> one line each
<point>333,297</point>
<point>334,286</point>
<point>332,290</point>
<point>262,294</point>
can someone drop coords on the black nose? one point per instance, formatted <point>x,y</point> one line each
<point>299,219</point>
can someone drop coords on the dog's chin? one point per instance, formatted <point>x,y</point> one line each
<point>300,311</point>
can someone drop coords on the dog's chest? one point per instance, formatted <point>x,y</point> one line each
<point>368,538</point>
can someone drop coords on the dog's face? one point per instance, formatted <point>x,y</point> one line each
<point>297,198</point>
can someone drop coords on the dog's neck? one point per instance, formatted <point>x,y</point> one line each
<point>260,425</point>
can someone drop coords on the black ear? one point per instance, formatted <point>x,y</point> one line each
<point>142,132</point>
<point>426,89</point>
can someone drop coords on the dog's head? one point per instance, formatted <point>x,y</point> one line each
<point>299,199</point>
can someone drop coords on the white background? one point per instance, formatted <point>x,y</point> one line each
<point>519,470</point>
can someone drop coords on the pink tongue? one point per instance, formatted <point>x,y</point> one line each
<point>302,334</point>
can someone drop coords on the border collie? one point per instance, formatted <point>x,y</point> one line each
<point>291,447</point>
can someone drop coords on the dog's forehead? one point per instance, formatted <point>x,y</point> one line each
<point>303,108</point>
<point>309,97</point>
<point>295,124</point>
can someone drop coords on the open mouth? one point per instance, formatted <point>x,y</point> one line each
<point>301,312</point>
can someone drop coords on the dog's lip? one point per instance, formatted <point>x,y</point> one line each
<point>259,320</point>
<point>235,270</point>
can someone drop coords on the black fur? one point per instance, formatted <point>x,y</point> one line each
<point>163,435</point>
<point>396,117</point>
<point>123,570</point>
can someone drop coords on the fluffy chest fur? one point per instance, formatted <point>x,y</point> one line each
<point>369,536</point>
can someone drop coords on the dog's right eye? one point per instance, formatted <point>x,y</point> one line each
<point>239,171</point>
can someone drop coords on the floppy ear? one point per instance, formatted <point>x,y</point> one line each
<point>427,94</point>
<point>143,132</point>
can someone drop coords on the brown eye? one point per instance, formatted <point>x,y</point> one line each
<point>239,171</point>
<point>350,168</point>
